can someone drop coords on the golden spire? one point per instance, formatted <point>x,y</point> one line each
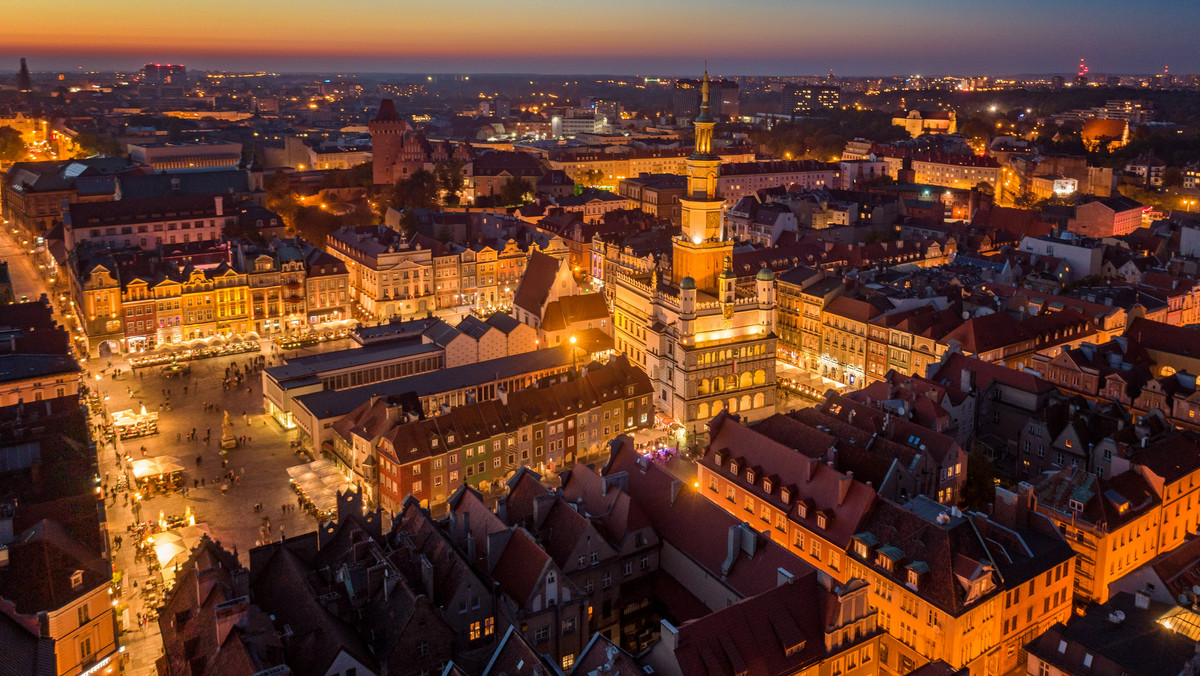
<point>705,107</point>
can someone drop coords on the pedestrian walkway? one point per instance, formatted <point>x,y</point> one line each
<point>258,466</point>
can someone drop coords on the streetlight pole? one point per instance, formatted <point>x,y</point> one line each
<point>572,340</point>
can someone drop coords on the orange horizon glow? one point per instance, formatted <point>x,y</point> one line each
<point>753,35</point>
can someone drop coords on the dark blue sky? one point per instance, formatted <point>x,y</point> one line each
<point>853,37</point>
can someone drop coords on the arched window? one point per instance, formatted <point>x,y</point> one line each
<point>746,380</point>
<point>760,377</point>
<point>745,402</point>
<point>759,400</point>
<point>702,412</point>
<point>703,388</point>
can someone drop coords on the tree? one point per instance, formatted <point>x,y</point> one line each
<point>450,180</point>
<point>515,191</point>
<point>279,197</point>
<point>589,178</point>
<point>97,144</point>
<point>1172,176</point>
<point>361,176</point>
<point>12,146</point>
<point>419,191</point>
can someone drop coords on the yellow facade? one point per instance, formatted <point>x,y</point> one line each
<point>84,634</point>
<point>986,637</point>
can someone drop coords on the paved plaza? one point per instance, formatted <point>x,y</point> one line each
<point>261,464</point>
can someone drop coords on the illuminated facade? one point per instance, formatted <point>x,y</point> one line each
<point>706,345</point>
<point>958,587</point>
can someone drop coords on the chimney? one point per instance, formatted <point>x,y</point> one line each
<point>205,580</point>
<point>676,486</point>
<point>733,544</point>
<point>220,204</point>
<point>229,614</point>
<point>427,579</point>
<point>1142,599</point>
<point>783,577</point>
<point>967,380</point>
<point>466,534</point>
<point>844,486</point>
<point>809,466</point>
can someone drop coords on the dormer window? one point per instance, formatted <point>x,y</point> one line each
<point>785,494</point>
<point>750,475</point>
<point>733,467</point>
<point>916,570</point>
<point>822,520</point>
<point>767,485</point>
<point>863,544</point>
<point>433,442</point>
<point>77,579</point>
<point>802,509</point>
<point>1075,505</point>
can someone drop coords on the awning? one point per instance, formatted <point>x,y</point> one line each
<point>151,467</point>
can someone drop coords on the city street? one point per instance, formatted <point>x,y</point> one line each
<point>25,279</point>
<point>260,463</point>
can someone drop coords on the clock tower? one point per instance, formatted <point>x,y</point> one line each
<point>701,249</point>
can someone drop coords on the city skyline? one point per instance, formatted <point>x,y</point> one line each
<point>858,38</point>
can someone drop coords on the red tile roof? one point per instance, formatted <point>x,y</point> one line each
<point>697,527</point>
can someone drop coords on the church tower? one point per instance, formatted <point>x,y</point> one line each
<point>701,249</point>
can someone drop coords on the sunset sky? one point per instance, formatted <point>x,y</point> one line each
<point>853,37</point>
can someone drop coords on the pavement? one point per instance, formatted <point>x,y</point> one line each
<point>261,463</point>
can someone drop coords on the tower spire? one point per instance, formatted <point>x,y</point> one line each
<point>705,106</point>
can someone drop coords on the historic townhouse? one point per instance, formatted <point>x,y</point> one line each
<point>481,444</point>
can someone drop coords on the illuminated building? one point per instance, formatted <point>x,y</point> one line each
<point>805,100</point>
<point>958,587</point>
<point>1117,524</point>
<point>398,150</point>
<point>706,345</point>
<point>60,588</point>
<point>920,122</point>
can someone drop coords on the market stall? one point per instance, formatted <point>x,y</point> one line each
<point>317,485</point>
<point>174,547</point>
<point>163,471</point>
<point>132,424</point>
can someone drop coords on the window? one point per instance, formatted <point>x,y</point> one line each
<point>568,661</point>
<point>627,568</point>
<point>84,615</point>
<point>542,635</point>
<point>85,649</point>
<point>568,625</point>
